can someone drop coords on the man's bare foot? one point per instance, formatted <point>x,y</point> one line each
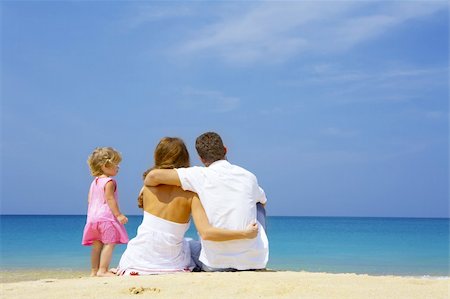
<point>94,273</point>
<point>105,274</point>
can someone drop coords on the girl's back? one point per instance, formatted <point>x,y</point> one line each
<point>168,202</point>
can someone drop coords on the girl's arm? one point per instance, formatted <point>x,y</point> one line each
<point>211,233</point>
<point>110,187</point>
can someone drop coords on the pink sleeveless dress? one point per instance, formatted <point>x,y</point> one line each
<point>101,224</point>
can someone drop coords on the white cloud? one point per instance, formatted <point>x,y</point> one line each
<point>338,132</point>
<point>336,74</point>
<point>207,100</point>
<point>385,84</point>
<point>436,115</point>
<point>151,13</point>
<point>273,32</point>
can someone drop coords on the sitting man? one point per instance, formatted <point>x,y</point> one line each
<point>232,199</point>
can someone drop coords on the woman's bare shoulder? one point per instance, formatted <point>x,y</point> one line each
<point>184,193</point>
<point>166,189</point>
<point>190,194</point>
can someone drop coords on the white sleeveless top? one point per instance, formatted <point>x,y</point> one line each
<point>159,247</point>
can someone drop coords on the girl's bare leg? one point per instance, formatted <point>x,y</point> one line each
<point>105,260</point>
<point>95,257</point>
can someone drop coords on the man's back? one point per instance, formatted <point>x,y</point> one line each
<point>229,195</point>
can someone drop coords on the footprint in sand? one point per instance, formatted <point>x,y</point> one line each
<point>140,290</point>
<point>49,280</point>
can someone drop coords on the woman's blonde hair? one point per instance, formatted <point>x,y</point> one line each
<point>103,156</point>
<point>171,152</point>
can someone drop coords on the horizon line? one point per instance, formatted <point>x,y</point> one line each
<point>300,216</point>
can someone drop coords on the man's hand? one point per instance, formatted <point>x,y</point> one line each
<point>140,199</point>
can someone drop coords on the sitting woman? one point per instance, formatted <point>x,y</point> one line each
<point>160,246</point>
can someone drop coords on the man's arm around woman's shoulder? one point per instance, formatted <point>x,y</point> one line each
<point>162,177</point>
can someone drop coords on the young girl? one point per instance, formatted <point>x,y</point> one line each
<point>104,226</point>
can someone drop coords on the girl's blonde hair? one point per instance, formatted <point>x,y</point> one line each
<point>103,156</point>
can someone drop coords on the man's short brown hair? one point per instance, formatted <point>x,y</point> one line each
<point>210,147</point>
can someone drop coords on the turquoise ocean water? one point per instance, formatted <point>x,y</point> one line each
<point>377,246</point>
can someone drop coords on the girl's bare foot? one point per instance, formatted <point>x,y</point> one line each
<point>105,274</point>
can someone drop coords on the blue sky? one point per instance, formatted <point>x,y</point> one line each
<point>339,108</point>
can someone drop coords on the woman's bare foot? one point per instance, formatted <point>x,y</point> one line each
<point>113,270</point>
<point>93,273</point>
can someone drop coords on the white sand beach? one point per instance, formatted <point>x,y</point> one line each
<point>279,284</point>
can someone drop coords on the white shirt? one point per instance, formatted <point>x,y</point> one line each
<point>229,195</point>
